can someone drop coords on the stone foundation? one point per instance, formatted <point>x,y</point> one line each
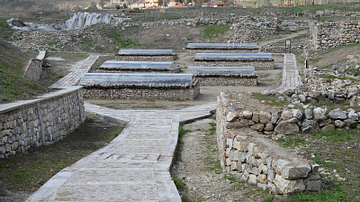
<point>257,159</point>
<point>221,80</point>
<point>145,57</point>
<point>257,64</point>
<point>43,121</point>
<point>143,93</point>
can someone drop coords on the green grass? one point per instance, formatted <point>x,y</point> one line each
<point>120,39</point>
<point>5,30</point>
<point>176,100</point>
<point>230,177</point>
<point>210,31</point>
<point>334,194</point>
<point>291,141</point>
<point>341,78</point>
<point>337,136</point>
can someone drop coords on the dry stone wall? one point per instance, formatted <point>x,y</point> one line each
<point>194,51</point>
<point>43,121</point>
<point>150,93</point>
<point>99,70</point>
<point>256,159</point>
<point>327,35</point>
<point>222,80</point>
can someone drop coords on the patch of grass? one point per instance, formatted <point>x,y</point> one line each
<point>270,100</point>
<point>210,31</point>
<point>5,30</point>
<point>178,183</point>
<point>230,177</point>
<point>341,78</point>
<point>120,39</point>
<point>290,141</point>
<point>335,193</point>
<point>338,135</point>
<point>212,130</point>
<point>27,172</point>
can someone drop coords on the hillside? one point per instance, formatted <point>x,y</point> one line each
<point>13,85</point>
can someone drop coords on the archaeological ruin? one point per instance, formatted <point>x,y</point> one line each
<point>145,55</point>
<point>140,86</point>
<point>112,66</point>
<point>223,76</point>
<point>194,48</point>
<point>257,60</point>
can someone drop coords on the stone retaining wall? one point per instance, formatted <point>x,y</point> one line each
<point>194,51</point>
<point>142,93</point>
<point>257,159</point>
<point>145,58</point>
<point>34,70</point>
<point>43,121</point>
<point>221,80</point>
<point>327,35</point>
<point>256,64</point>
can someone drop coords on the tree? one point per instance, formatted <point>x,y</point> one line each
<point>125,6</point>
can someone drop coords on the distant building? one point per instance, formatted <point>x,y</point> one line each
<point>214,4</point>
<point>138,4</point>
<point>120,2</point>
<point>152,3</point>
<point>171,3</point>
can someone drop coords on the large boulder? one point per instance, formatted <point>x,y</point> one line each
<point>285,127</point>
<point>337,114</point>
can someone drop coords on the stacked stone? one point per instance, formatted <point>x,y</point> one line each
<point>40,122</point>
<point>224,80</point>
<point>168,92</point>
<point>257,160</point>
<point>233,63</point>
<point>333,34</point>
<point>293,121</point>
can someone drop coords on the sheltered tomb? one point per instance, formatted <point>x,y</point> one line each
<point>145,55</point>
<point>194,48</point>
<point>139,86</point>
<point>257,60</point>
<point>223,76</point>
<point>112,66</point>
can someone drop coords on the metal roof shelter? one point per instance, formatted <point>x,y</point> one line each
<point>233,57</point>
<point>198,70</point>
<point>222,46</point>
<point>137,65</point>
<point>135,79</point>
<point>146,52</point>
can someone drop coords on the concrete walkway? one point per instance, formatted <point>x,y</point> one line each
<point>73,77</point>
<point>291,77</point>
<point>133,167</point>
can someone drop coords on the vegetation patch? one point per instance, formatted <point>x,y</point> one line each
<point>214,30</point>
<point>270,100</point>
<point>337,152</point>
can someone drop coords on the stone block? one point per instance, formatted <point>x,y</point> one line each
<point>329,127</point>
<point>231,116</point>
<point>262,178</point>
<point>257,127</point>
<point>285,115</point>
<point>287,128</point>
<point>244,177</point>
<point>256,117</point>
<point>265,117</point>
<point>313,186</point>
<point>320,114</point>
<point>288,186</point>
<point>248,114</point>
<point>337,114</point>
<point>262,186</point>
<point>252,179</point>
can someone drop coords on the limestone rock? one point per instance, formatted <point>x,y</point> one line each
<point>319,114</point>
<point>231,116</point>
<point>269,127</point>
<point>265,117</point>
<point>244,177</point>
<point>302,98</point>
<point>313,185</point>
<point>297,114</point>
<point>287,128</point>
<point>256,117</point>
<point>257,127</point>
<point>252,179</point>
<point>288,186</point>
<point>328,127</point>
<point>353,116</point>
<point>285,115</point>
<point>262,178</point>
<point>339,124</point>
<point>337,114</point>
<point>248,114</point>
<point>309,126</point>
<point>308,113</point>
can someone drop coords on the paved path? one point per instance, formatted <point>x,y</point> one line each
<point>291,77</point>
<point>73,77</point>
<point>133,167</point>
